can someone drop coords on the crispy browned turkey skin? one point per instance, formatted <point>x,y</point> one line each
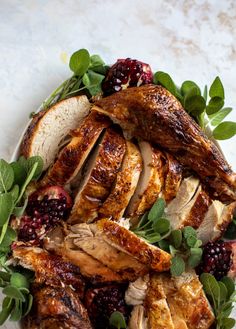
<point>56,308</point>
<point>152,113</point>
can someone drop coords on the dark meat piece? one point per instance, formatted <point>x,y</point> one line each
<point>56,308</point>
<point>50,269</point>
<point>101,302</point>
<point>152,113</point>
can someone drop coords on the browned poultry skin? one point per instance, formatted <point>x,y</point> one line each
<point>73,155</point>
<point>56,308</point>
<point>103,174</point>
<point>50,269</point>
<point>173,177</point>
<point>152,113</point>
<point>127,241</point>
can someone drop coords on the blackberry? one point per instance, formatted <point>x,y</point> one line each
<point>216,259</point>
<point>102,302</point>
<point>126,73</point>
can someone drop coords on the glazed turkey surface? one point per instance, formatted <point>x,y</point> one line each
<point>111,177</point>
<point>152,113</point>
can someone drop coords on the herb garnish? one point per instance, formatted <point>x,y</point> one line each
<point>221,295</point>
<point>231,230</point>
<point>89,71</point>
<point>195,103</point>
<point>183,244</point>
<point>117,320</point>
<point>14,179</point>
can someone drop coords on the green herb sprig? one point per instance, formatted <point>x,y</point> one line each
<point>18,300</point>
<point>117,320</point>
<point>231,230</point>
<point>221,295</point>
<point>88,74</point>
<point>183,244</point>
<point>14,179</point>
<point>205,112</point>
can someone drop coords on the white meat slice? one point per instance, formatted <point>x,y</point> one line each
<point>180,218</point>
<point>138,319</point>
<point>73,155</point>
<point>98,177</point>
<point>49,127</point>
<point>215,221</point>
<point>185,193</point>
<point>157,308</point>
<point>150,181</point>
<point>136,291</point>
<point>126,182</point>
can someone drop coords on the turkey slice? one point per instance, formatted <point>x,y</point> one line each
<point>129,243</point>
<point>73,155</point>
<point>98,177</point>
<point>173,177</point>
<point>187,301</point>
<point>215,221</point>
<point>126,182</point>
<point>89,267</point>
<point>49,127</point>
<point>157,309</point>
<point>150,181</point>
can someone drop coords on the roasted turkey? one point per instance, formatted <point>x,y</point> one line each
<point>153,114</point>
<point>93,264</point>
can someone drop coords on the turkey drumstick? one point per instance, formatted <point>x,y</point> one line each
<point>152,113</point>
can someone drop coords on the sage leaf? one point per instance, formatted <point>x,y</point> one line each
<point>230,285</point>
<point>19,281</point>
<point>9,237</point>
<point>6,207</point>
<point>6,176</point>
<point>15,192</point>
<point>224,130</point>
<point>162,225</point>
<point>16,312</point>
<point>19,172</point>
<point>223,291</point>
<point>211,287</point>
<point>194,260</point>
<point>92,81</point>
<point>31,162</point>
<point>157,210</point>
<point>191,241</point>
<point>13,292</point>
<point>28,305</point>
<point>228,323</point>
<point>117,320</point>
<point>19,211</point>
<point>164,245</point>
<point>6,309</point>
<point>177,266</point>
<point>79,62</point>
<point>214,105</point>
<point>219,116</point>
<point>176,238</point>
<point>189,231</point>
<point>165,80</point>
<point>95,61</point>
<point>188,85</point>
<point>5,276</point>
<point>217,89</point>
<point>194,104</point>
<point>28,180</point>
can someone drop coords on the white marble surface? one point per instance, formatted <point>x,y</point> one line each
<point>190,39</point>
